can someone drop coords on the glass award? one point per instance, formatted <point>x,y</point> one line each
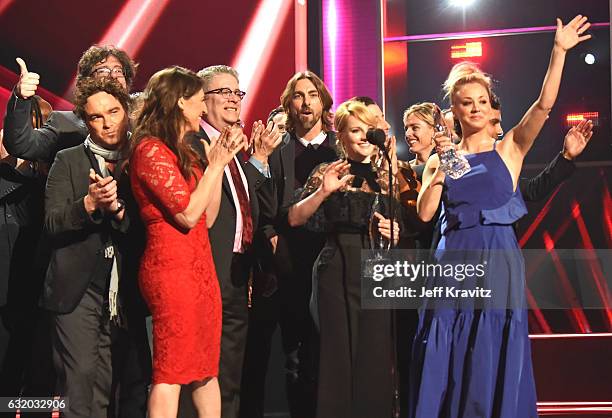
<point>379,245</point>
<point>451,163</point>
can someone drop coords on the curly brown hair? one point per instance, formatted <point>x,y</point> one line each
<point>326,99</point>
<point>98,53</point>
<point>162,118</point>
<point>87,87</point>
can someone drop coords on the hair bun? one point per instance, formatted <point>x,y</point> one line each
<point>463,73</point>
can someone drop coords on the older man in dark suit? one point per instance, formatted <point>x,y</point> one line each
<point>231,236</point>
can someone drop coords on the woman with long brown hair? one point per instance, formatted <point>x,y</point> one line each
<point>178,194</point>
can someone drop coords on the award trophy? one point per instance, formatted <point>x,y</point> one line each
<point>379,245</point>
<point>453,164</point>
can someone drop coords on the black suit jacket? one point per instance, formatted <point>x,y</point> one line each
<point>540,186</point>
<point>20,224</point>
<point>277,196</point>
<point>222,232</point>
<point>62,130</point>
<point>296,248</point>
<point>78,241</point>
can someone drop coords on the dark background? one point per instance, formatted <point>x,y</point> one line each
<point>579,212</point>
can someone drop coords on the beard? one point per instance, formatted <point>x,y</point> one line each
<point>308,122</point>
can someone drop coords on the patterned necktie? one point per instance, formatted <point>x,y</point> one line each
<point>245,206</point>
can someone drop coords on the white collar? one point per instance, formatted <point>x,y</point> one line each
<point>317,140</point>
<point>211,132</point>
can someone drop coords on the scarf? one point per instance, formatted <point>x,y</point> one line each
<point>103,155</point>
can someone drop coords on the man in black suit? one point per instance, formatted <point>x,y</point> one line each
<point>283,283</point>
<point>64,129</point>
<point>21,214</point>
<point>231,236</point>
<point>86,220</point>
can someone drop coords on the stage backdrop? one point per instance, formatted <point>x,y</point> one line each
<point>258,37</point>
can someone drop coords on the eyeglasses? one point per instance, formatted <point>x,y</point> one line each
<point>226,93</point>
<point>105,72</point>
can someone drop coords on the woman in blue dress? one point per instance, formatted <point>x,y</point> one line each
<point>473,360</point>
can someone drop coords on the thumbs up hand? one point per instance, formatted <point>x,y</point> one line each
<point>28,82</point>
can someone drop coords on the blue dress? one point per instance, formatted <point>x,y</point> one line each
<point>473,359</point>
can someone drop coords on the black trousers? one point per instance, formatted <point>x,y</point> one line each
<point>81,343</point>
<point>234,295</point>
<point>356,347</point>
<point>23,340</point>
<point>131,360</point>
<point>281,298</point>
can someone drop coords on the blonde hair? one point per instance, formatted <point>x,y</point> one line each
<point>355,109</point>
<point>343,112</point>
<point>424,111</point>
<point>464,73</point>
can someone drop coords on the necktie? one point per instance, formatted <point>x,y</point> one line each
<point>312,146</point>
<point>245,206</point>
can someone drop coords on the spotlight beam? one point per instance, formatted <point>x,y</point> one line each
<point>256,47</point>
<point>130,28</point>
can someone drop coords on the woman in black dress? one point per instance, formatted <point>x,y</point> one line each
<point>355,373</point>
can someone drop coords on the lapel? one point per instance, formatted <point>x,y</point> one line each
<point>93,161</point>
<point>287,160</point>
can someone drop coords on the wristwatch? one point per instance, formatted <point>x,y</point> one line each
<point>120,206</point>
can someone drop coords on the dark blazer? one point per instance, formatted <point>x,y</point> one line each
<point>278,196</point>
<point>296,247</point>
<point>78,241</point>
<point>20,224</point>
<point>62,130</point>
<point>540,186</point>
<point>222,232</point>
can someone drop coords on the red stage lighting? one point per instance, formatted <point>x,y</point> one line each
<point>466,50</point>
<point>573,119</point>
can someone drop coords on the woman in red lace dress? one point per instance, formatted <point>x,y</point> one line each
<point>178,195</point>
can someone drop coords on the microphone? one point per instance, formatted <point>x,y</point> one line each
<point>376,137</point>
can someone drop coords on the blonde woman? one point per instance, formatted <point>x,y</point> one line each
<point>355,377</point>
<point>472,357</point>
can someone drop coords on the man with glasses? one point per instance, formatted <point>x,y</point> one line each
<point>231,236</point>
<point>63,129</point>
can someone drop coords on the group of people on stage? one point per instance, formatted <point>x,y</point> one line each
<point>158,204</point>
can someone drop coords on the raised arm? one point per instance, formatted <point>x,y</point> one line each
<point>154,168</point>
<point>433,180</point>
<point>21,139</point>
<point>319,186</point>
<point>566,37</point>
<point>561,167</point>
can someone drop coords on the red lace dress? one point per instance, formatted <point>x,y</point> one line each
<point>177,275</point>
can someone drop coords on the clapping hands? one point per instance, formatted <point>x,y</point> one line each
<point>264,140</point>
<point>222,150</point>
